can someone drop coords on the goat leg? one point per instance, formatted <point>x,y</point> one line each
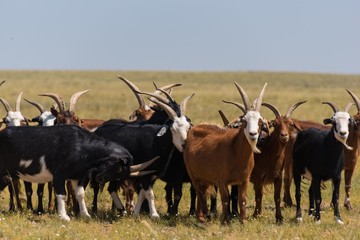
<point>277,199</point>
<point>335,199</point>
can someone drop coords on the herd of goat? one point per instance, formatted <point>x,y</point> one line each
<point>159,142</point>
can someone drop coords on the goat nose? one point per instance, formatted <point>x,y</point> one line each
<point>343,133</point>
<point>253,133</point>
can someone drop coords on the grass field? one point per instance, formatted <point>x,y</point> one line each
<point>110,98</point>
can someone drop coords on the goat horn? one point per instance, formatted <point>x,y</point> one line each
<point>18,101</point>
<point>244,97</point>
<point>169,88</point>
<point>170,112</point>
<point>6,104</point>
<point>293,107</point>
<point>239,105</point>
<point>183,104</point>
<point>142,166</point>
<point>355,98</point>
<point>2,82</point>
<point>333,106</point>
<point>156,96</point>
<point>272,108</point>
<point>59,101</point>
<point>74,98</point>
<point>135,90</point>
<point>37,105</point>
<point>260,98</point>
<point>348,106</point>
<point>224,118</point>
<point>164,92</point>
<point>142,173</point>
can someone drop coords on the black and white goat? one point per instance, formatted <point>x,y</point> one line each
<point>59,153</point>
<point>318,155</point>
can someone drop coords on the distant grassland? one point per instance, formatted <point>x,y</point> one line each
<point>111,98</point>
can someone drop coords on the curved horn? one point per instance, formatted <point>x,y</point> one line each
<point>170,112</point>
<point>18,101</point>
<point>6,104</point>
<point>260,98</point>
<point>2,82</point>
<point>333,106</point>
<point>37,105</point>
<point>164,92</point>
<point>244,97</point>
<point>183,104</point>
<point>293,107</point>
<point>348,106</point>
<point>74,98</point>
<point>142,166</point>
<point>272,108</point>
<point>355,98</point>
<point>59,101</point>
<point>155,96</point>
<point>165,88</point>
<point>223,118</point>
<point>239,105</point>
<point>135,90</point>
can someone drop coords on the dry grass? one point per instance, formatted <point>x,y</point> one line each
<point>110,98</point>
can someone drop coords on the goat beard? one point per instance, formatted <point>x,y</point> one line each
<point>254,147</point>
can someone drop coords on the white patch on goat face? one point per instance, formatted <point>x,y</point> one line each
<point>341,120</point>
<point>14,119</point>
<point>42,177</point>
<point>252,128</point>
<point>47,119</point>
<point>179,130</point>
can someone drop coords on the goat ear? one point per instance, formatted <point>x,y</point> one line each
<point>297,126</point>
<point>327,121</point>
<point>271,123</point>
<point>54,111</point>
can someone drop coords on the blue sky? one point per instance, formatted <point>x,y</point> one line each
<point>187,35</point>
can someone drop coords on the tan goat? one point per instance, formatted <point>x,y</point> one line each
<point>223,156</point>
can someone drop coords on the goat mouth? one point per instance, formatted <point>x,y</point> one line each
<point>284,139</point>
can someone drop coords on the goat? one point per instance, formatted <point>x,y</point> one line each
<point>13,118</point>
<point>268,167</point>
<point>146,139</point>
<point>319,156</point>
<point>44,119</point>
<point>59,153</point>
<point>222,156</point>
<point>288,156</point>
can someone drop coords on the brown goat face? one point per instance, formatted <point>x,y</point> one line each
<point>282,127</point>
<point>252,129</point>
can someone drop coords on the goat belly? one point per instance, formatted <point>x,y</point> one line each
<point>34,170</point>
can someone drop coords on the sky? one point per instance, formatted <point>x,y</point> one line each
<point>320,36</point>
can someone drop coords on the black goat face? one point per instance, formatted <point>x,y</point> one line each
<point>112,169</point>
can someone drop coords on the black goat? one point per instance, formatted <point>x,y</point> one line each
<point>319,156</point>
<point>145,139</point>
<point>59,153</point>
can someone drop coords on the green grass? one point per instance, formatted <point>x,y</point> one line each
<point>109,98</point>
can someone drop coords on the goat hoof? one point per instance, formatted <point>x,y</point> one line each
<point>299,219</point>
<point>348,206</point>
<point>64,218</point>
<point>318,221</point>
<point>155,216</point>
<point>339,221</point>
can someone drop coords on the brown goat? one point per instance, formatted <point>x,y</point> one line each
<point>352,156</point>
<point>269,163</point>
<point>223,156</point>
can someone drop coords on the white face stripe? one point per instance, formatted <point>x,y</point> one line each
<point>25,163</point>
<point>14,118</point>
<point>342,126</point>
<point>179,130</point>
<point>42,177</point>
<point>252,128</point>
<point>47,118</point>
